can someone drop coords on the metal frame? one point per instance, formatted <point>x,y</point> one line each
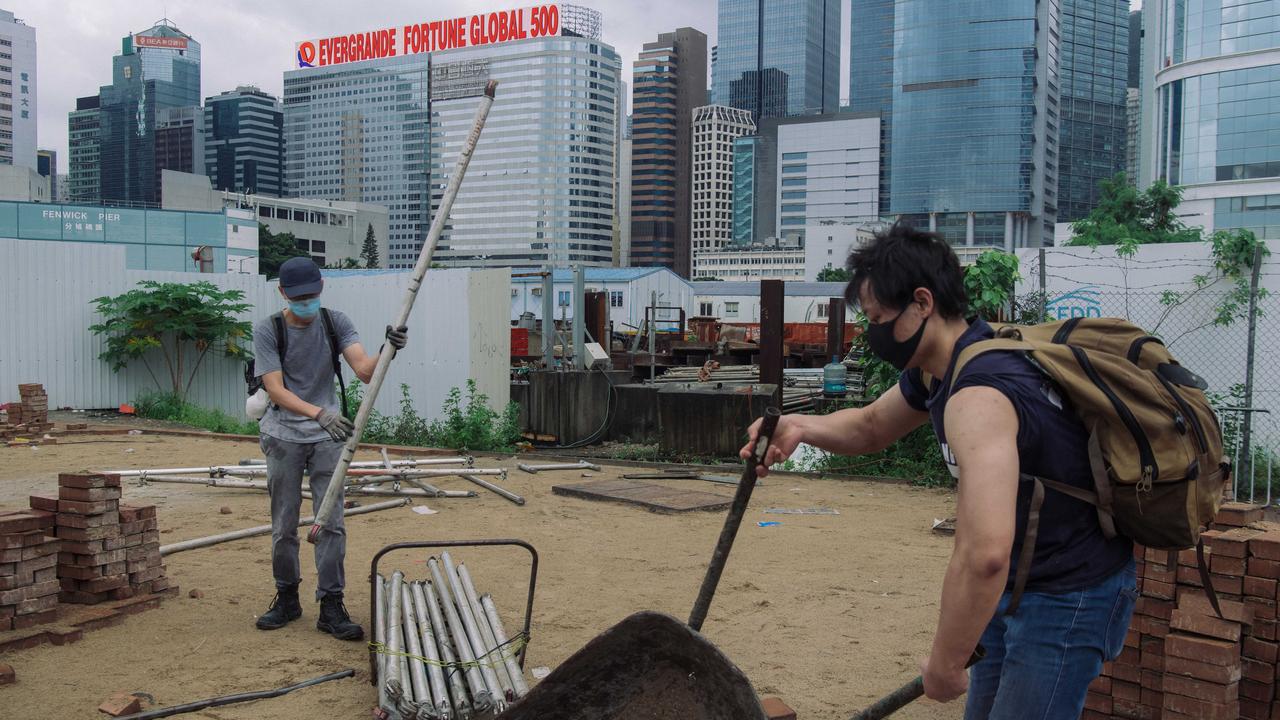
<point>416,544</point>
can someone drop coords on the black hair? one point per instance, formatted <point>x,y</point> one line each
<point>899,260</point>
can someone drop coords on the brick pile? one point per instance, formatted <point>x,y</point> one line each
<point>30,414</point>
<point>28,576</point>
<point>1180,659</point>
<point>110,551</point>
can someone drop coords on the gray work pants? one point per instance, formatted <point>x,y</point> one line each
<point>286,462</point>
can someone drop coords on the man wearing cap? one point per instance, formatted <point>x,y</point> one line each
<point>304,431</point>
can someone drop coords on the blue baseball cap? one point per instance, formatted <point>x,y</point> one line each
<point>300,276</point>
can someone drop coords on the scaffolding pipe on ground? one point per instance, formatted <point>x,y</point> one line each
<point>456,678</point>
<point>413,645</point>
<point>500,635</point>
<point>517,499</point>
<point>266,529</point>
<point>232,484</point>
<point>258,468</point>
<point>430,651</point>
<point>481,696</point>
<point>492,651</point>
<point>473,631</point>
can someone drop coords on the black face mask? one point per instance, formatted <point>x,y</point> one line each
<point>896,353</point>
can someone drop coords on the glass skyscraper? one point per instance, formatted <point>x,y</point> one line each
<point>83,147</point>
<point>871,41</point>
<point>1211,109</point>
<point>156,69</point>
<point>1095,68</point>
<point>774,49</point>
<point>976,119</point>
<point>244,142</point>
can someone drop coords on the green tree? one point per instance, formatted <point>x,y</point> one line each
<point>834,274</point>
<point>1126,217</point>
<point>1232,252</point>
<point>178,321</point>
<point>344,264</point>
<point>274,249</point>
<point>369,252</point>
<point>989,282</point>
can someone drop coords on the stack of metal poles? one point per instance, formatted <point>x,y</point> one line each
<point>445,653</point>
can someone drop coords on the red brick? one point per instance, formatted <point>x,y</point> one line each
<point>1264,629</point>
<point>1126,672</point>
<point>1098,703</point>
<point>1198,602</point>
<point>1101,685</point>
<point>1152,680</point>
<point>1258,671</point>
<point>64,635</point>
<point>1227,584</point>
<point>12,541</point>
<point>1262,608</point>
<point>1254,710</point>
<point>88,495</point>
<point>1266,546</point>
<point>775,709</point>
<point>1157,589</point>
<point>1094,715</point>
<point>38,604</point>
<point>1258,587</point>
<point>1121,690</point>
<point>72,520</point>
<point>1155,627</point>
<point>1153,607</point>
<point>1260,650</point>
<point>23,622</point>
<point>1209,626</point>
<point>23,640</point>
<point>1238,514</point>
<point>1262,692</point>
<point>1153,699</point>
<point>85,534</point>
<point>1198,689</point>
<point>1189,576</point>
<point>46,503</point>
<point>24,521</point>
<point>1219,674</point>
<point>32,552</point>
<point>76,597</point>
<point>147,575</point>
<point>7,675</point>
<point>1201,649</point>
<point>123,703</point>
<point>1225,565</point>
<point>1262,567</point>
<point>77,507</point>
<point>102,558</point>
<point>102,584</point>
<point>1160,573</point>
<point>1130,709</point>
<point>88,480</point>
<point>1187,558</point>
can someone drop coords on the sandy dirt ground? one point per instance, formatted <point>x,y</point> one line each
<point>829,612</point>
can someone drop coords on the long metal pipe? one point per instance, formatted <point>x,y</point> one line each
<point>266,529</point>
<point>583,465</point>
<point>414,462</point>
<point>492,652</point>
<point>435,674</point>
<point>394,680</point>
<point>413,642</point>
<point>258,469</point>
<point>455,676</point>
<point>380,637</point>
<point>423,472</point>
<point>495,489</point>
<point>500,634</point>
<point>232,484</point>
<point>473,630</point>
<point>329,505</point>
<point>483,699</point>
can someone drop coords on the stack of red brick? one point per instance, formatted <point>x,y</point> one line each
<point>109,551</point>
<point>1180,659</point>
<point>31,413</point>
<point>28,576</point>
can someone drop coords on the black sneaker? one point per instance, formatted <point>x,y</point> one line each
<point>335,620</point>
<point>284,609</point>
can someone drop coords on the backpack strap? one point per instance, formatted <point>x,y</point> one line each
<point>337,364</point>
<point>282,342</point>
<point>1028,548</point>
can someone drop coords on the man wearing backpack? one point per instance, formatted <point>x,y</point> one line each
<point>1000,418</point>
<point>304,431</point>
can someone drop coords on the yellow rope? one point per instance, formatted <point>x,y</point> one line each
<point>509,650</point>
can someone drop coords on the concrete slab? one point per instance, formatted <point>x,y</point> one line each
<point>654,498</point>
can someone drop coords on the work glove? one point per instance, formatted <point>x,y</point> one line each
<point>338,427</point>
<point>398,337</point>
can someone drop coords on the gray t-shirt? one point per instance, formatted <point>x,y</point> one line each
<point>308,373</point>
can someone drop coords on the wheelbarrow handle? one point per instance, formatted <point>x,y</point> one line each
<point>734,519</point>
<point>905,695</point>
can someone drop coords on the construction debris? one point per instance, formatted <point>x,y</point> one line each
<point>517,499</point>
<point>28,416</point>
<point>266,529</point>
<point>583,465</point>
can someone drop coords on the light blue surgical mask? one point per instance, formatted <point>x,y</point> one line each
<point>305,308</point>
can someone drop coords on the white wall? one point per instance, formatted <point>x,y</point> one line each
<point>795,308</point>
<point>636,295</point>
<point>458,330</point>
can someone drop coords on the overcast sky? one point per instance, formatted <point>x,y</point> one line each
<point>250,42</point>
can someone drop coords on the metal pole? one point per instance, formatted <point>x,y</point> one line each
<point>352,489</point>
<point>413,642</point>
<point>548,317</point>
<point>257,469</point>
<point>579,310</point>
<point>492,651</point>
<point>380,637</point>
<point>327,506</point>
<point>266,529</point>
<point>435,675</point>
<point>500,491</point>
<point>653,334</point>
<point>1044,295</point>
<point>394,681</point>
<point>480,694</point>
<point>1247,430</point>
<point>458,689</point>
<point>473,631</point>
<point>500,635</point>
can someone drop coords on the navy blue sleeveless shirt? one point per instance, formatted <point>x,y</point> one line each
<point>1071,552</point>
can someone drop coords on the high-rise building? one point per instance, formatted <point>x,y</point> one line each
<point>871,24</point>
<point>1133,125</point>
<point>670,80</point>
<point>1093,76</point>
<point>157,68</point>
<point>1211,110</point>
<point>828,171</point>
<point>1135,49</point>
<point>179,142</point>
<point>47,165</point>
<point>83,146</point>
<point>18,78</point>
<point>755,182</point>
<point>983,177</point>
<point>244,142</point>
<point>715,128</point>
<point>773,49</point>
<point>363,124</point>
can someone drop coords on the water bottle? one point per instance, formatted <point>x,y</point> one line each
<point>834,378</point>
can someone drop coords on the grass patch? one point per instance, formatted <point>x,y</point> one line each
<point>466,422</point>
<point>168,406</point>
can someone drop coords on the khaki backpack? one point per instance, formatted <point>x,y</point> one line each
<point>1155,445</point>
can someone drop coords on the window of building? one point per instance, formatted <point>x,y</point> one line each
<point>731,309</point>
<point>563,298</point>
<point>822,310</point>
<point>705,309</point>
<point>317,245</point>
<point>615,298</point>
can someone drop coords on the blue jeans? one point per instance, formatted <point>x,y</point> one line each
<point>1040,662</point>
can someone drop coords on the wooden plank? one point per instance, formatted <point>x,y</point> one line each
<point>655,498</point>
